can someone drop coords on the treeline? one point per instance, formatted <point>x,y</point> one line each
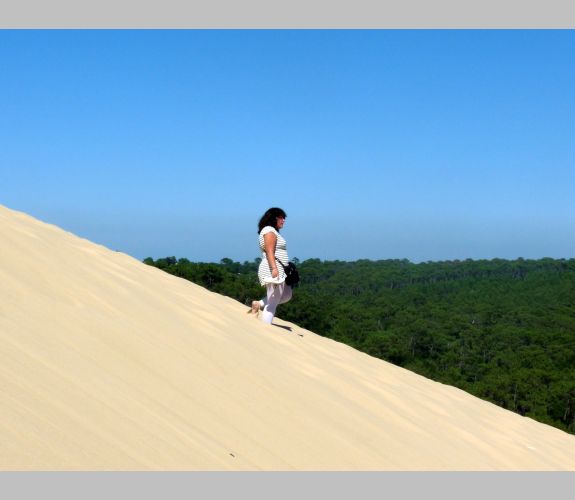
<point>501,330</point>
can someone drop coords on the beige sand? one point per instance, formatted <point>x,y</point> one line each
<point>108,364</point>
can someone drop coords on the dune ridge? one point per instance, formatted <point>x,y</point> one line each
<point>109,364</point>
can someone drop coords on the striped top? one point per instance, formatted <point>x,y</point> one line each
<point>264,270</point>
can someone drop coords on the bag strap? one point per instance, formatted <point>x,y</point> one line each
<point>285,267</point>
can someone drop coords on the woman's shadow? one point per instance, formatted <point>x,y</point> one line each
<point>288,328</point>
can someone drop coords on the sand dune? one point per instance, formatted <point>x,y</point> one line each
<point>108,364</point>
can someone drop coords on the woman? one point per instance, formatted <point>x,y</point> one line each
<point>271,273</point>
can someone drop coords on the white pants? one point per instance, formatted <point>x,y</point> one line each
<point>276,295</point>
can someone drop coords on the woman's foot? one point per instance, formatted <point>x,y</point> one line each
<point>256,307</point>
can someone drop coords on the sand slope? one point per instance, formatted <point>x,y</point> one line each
<point>108,364</point>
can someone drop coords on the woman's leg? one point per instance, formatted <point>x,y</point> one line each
<point>273,299</point>
<point>286,295</point>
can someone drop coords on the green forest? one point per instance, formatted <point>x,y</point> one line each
<point>502,330</point>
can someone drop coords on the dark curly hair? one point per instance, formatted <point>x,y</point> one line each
<point>270,218</point>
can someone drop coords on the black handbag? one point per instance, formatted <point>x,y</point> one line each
<point>292,276</point>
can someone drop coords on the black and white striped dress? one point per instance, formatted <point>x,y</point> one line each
<point>264,270</point>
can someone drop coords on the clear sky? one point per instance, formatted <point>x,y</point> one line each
<point>425,145</point>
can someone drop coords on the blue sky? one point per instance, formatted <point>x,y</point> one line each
<point>425,145</point>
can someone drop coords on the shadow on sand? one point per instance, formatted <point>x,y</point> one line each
<point>288,328</point>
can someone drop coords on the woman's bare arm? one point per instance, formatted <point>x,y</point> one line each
<point>270,240</point>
